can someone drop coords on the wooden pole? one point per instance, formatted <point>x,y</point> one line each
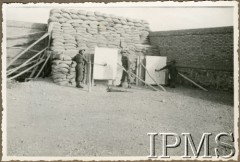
<point>42,66</point>
<point>25,70</point>
<point>35,69</point>
<point>192,82</point>
<point>39,58</point>
<point>153,78</point>
<point>24,64</point>
<point>137,70</point>
<point>24,51</point>
<point>89,73</point>
<point>137,77</point>
<point>140,69</point>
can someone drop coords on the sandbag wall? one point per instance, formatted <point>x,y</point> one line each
<point>76,29</point>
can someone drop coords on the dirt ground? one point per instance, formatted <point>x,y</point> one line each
<point>44,119</point>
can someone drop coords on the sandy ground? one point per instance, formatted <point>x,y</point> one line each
<point>44,119</point>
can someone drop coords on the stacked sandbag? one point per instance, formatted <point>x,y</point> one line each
<point>63,70</point>
<point>77,29</point>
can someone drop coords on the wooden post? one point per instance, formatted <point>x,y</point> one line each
<point>29,63</point>
<point>140,69</point>
<point>24,51</point>
<point>24,64</point>
<point>39,58</point>
<point>192,82</point>
<point>137,70</point>
<point>26,70</point>
<point>153,78</point>
<point>42,66</point>
<point>89,73</point>
<point>137,77</point>
<point>35,69</point>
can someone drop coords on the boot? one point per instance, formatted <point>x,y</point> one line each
<point>79,86</point>
<point>120,85</point>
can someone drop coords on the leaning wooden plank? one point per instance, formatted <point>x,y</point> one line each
<point>137,77</point>
<point>24,64</point>
<point>15,69</point>
<point>35,69</point>
<point>42,66</point>
<point>152,77</point>
<point>13,77</point>
<point>192,82</point>
<point>48,45</point>
<point>19,55</point>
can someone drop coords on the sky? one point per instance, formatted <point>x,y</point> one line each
<point>160,18</point>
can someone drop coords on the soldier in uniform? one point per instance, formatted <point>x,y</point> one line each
<point>80,68</point>
<point>172,73</point>
<point>126,64</point>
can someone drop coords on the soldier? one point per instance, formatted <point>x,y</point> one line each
<point>80,68</point>
<point>126,64</point>
<point>172,72</point>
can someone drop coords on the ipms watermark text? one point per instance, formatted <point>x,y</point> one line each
<point>190,145</point>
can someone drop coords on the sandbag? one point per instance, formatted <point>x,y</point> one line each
<point>60,65</point>
<point>66,15</point>
<point>74,29</point>
<point>74,16</point>
<point>62,20</point>
<point>82,12</point>
<point>56,62</point>
<point>60,70</point>
<point>70,76</point>
<point>58,76</point>
<point>52,11</point>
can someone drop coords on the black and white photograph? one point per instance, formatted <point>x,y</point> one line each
<point>120,81</point>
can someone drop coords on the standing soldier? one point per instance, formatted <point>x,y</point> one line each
<point>126,64</point>
<point>172,72</point>
<point>80,68</point>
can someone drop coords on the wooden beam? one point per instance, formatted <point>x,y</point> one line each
<point>192,81</point>
<point>137,70</point>
<point>137,77</point>
<point>42,66</point>
<point>48,44</point>
<point>89,73</point>
<point>35,69</point>
<point>153,78</point>
<point>13,77</point>
<point>24,64</point>
<point>140,69</point>
<point>29,47</point>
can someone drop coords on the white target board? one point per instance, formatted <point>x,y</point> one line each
<point>106,56</point>
<point>152,63</point>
